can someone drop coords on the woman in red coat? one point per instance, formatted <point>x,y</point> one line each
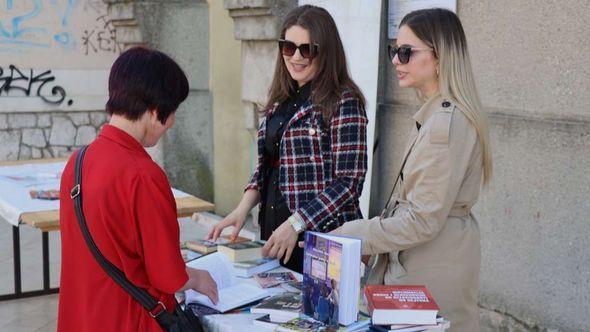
<point>128,204</point>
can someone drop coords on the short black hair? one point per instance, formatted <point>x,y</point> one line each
<point>143,79</point>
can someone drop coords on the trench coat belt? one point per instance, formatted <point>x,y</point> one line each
<point>457,211</point>
<point>460,211</point>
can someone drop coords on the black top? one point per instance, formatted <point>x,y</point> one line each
<point>274,210</point>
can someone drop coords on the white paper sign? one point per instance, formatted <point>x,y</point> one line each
<point>358,23</point>
<point>400,8</point>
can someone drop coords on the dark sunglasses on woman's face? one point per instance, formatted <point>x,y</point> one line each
<point>403,52</point>
<point>288,48</point>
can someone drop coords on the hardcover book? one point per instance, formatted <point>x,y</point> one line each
<point>397,304</point>
<point>331,278</point>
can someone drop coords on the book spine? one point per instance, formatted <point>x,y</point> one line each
<point>370,306</point>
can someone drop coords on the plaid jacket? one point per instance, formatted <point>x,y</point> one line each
<point>322,168</point>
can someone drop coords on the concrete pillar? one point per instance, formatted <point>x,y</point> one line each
<point>181,30</point>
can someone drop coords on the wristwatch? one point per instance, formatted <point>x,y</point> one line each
<point>297,225</point>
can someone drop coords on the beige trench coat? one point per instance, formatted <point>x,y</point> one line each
<point>431,238</point>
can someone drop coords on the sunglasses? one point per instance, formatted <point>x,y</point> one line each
<point>404,52</point>
<point>288,48</point>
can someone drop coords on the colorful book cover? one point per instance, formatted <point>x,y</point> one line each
<point>321,277</point>
<point>272,279</point>
<point>301,325</point>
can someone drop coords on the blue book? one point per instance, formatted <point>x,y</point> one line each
<point>331,278</point>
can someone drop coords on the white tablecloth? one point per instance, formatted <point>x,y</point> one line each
<point>17,181</point>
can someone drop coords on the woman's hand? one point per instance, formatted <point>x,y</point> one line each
<point>202,282</point>
<point>236,218</point>
<point>281,242</point>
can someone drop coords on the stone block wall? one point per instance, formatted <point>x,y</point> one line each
<point>47,134</point>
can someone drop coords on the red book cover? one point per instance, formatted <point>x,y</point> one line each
<point>400,304</point>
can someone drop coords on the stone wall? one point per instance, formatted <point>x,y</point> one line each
<point>47,134</point>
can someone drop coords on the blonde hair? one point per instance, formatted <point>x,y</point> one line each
<point>442,30</point>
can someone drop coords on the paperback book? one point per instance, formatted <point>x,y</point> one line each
<point>246,269</point>
<point>301,325</point>
<point>242,251</point>
<point>442,324</point>
<point>272,279</point>
<point>232,292</point>
<point>281,308</point>
<point>206,247</point>
<point>331,278</point>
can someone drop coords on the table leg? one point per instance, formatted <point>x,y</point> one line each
<point>16,255</point>
<point>18,292</point>
<point>45,236</point>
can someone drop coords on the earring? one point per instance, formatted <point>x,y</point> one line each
<point>437,71</point>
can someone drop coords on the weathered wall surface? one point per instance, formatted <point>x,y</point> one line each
<point>230,136</point>
<point>54,61</point>
<point>181,30</point>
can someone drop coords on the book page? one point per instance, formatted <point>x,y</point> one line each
<point>230,297</point>
<point>219,266</point>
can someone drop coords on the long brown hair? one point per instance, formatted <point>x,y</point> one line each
<point>332,77</point>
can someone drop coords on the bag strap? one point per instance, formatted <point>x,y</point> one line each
<point>399,174</point>
<point>138,294</point>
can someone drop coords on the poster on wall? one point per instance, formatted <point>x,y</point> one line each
<point>359,24</point>
<point>55,55</point>
<point>399,8</point>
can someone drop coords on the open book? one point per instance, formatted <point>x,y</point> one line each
<point>233,292</point>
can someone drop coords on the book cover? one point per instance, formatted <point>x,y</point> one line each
<point>400,304</point>
<point>243,245</point>
<point>272,279</point>
<point>205,247</point>
<point>51,194</point>
<point>265,321</point>
<point>285,305</point>
<point>242,251</point>
<point>249,268</point>
<point>301,325</point>
<point>321,275</point>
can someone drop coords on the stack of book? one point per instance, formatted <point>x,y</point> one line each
<point>403,309</point>
<point>242,251</point>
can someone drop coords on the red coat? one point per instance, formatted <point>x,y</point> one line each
<point>131,215</point>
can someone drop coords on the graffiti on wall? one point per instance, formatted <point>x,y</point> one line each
<point>29,83</point>
<point>101,38</point>
<point>50,24</point>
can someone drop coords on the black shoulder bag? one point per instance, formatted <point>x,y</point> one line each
<point>178,321</point>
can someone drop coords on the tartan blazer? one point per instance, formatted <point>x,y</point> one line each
<point>322,167</point>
